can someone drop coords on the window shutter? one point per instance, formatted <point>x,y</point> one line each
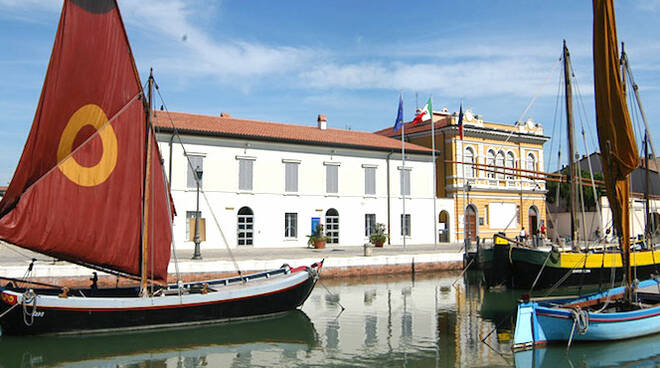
<point>291,177</point>
<point>369,180</point>
<point>331,179</point>
<point>245,174</point>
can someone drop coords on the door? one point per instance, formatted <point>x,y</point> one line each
<point>332,226</point>
<point>471,222</point>
<point>443,228</point>
<point>245,226</point>
<point>533,221</point>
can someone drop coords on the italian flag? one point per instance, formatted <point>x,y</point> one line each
<point>424,114</point>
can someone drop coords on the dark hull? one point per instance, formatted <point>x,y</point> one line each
<point>526,264</point>
<point>494,262</point>
<point>525,273</point>
<point>78,321</point>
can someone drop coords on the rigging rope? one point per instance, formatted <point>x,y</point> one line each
<point>185,152</point>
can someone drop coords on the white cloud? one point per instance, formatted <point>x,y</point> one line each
<point>517,76</point>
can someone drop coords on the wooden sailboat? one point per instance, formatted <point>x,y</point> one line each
<point>631,310</point>
<point>550,267</point>
<point>89,189</point>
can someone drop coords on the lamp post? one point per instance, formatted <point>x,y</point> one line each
<point>197,254</point>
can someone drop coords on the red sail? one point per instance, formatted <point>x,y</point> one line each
<point>77,191</point>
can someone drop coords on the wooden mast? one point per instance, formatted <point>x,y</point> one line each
<point>144,254</point>
<point>571,148</point>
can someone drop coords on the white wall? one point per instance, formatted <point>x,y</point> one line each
<point>269,201</point>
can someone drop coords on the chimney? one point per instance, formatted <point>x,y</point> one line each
<point>322,122</point>
<point>225,115</point>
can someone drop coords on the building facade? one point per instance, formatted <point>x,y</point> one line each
<point>490,174</point>
<point>269,184</point>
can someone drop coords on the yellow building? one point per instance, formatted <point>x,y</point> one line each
<point>490,173</point>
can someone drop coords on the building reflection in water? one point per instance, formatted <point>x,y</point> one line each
<point>388,321</point>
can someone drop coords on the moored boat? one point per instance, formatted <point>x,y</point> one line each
<point>90,189</point>
<point>624,312</point>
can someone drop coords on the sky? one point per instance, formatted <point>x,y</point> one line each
<point>288,61</point>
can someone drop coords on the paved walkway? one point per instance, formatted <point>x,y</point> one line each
<point>14,260</point>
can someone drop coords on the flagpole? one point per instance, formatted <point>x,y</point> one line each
<point>402,176</point>
<point>465,244</point>
<point>435,220</point>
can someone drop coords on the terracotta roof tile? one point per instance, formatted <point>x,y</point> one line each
<point>227,126</point>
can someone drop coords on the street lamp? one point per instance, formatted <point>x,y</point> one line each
<point>197,254</point>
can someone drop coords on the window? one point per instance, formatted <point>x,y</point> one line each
<point>405,181</point>
<point>405,225</point>
<point>470,171</point>
<point>531,162</point>
<point>291,176</point>
<point>370,180</point>
<point>195,163</point>
<point>490,161</point>
<point>486,214</point>
<point>499,161</point>
<point>331,178</point>
<point>245,174</point>
<point>369,223</point>
<point>189,215</point>
<point>290,225</point>
<point>510,162</point>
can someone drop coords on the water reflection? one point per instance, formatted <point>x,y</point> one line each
<point>431,321</point>
<point>227,345</point>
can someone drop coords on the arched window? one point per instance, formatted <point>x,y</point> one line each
<point>499,161</point>
<point>245,228</point>
<point>469,158</point>
<point>510,162</point>
<point>332,226</point>
<point>490,161</point>
<point>531,162</point>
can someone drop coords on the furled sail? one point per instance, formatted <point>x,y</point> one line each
<point>615,133</point>
<point>77,193</point>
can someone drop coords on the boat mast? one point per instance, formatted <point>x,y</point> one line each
<point>571,154</point>
<point>144,253</point>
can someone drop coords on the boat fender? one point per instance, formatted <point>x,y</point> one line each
<point>554,255</point>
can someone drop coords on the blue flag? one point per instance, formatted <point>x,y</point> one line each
<point>460,121</point>
<point>398,123</point>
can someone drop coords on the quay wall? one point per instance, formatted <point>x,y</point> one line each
<point>334,267</point>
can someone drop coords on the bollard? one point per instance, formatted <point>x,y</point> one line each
<point>367,250</point>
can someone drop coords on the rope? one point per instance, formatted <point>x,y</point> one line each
<point>29,297</point>
<point>540,272</point>
<point>185,153</point>
<point>581,318</point>
<point>8,310</point>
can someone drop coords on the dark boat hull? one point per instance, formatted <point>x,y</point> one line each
<point>50,319</point>
<point>494,262</point>
<point>527,263</point>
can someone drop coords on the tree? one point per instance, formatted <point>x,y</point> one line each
<point>564,191</point>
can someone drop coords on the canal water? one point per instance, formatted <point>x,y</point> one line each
<point>431,320</point>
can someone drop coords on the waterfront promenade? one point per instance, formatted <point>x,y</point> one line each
<point>340,261</point>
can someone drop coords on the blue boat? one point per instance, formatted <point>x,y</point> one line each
<point>595,317</point>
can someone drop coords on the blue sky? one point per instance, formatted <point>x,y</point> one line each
<point>289,61</point>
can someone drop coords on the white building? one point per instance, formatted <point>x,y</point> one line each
<point>268,183</point>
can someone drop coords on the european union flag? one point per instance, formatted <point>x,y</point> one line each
<point>398,123</point>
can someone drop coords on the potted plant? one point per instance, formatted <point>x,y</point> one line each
<point>378,236</point>
<point>317,239</point>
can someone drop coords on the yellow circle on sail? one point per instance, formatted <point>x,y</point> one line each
<point>91,176</point>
